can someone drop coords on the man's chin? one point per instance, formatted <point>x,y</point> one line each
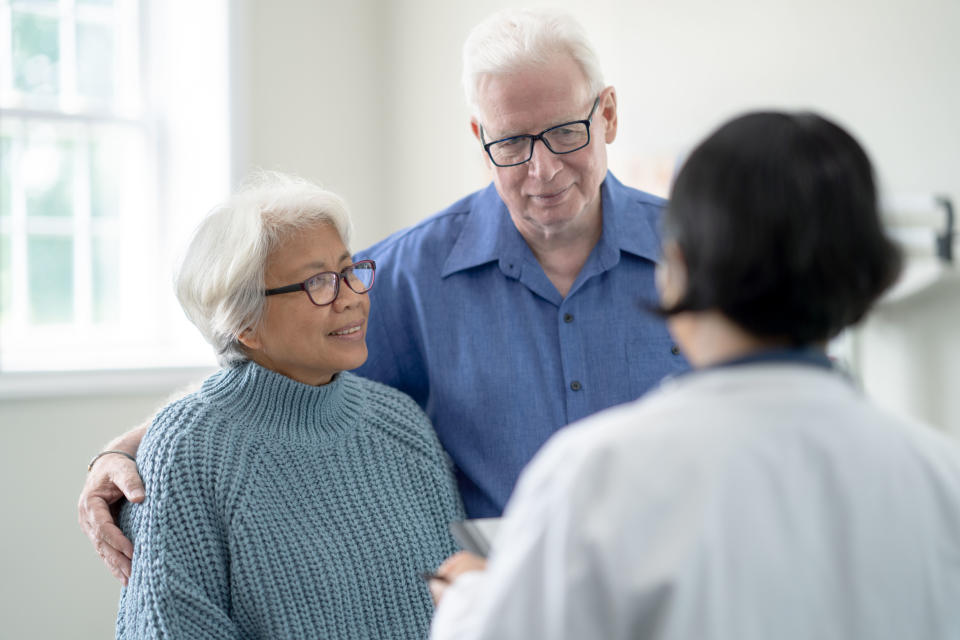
<point>556,218</point>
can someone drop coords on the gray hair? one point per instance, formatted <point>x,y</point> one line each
<point>515,39</point>
<point>220,282</point>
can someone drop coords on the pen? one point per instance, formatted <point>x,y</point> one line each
<point>428,576</point>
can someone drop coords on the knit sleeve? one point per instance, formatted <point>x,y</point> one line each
<point>179,586</point>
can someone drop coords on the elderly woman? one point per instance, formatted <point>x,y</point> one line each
<point>761,496</point>
<point>287,497</point>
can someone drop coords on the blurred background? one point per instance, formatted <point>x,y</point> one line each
<point>123,121</point>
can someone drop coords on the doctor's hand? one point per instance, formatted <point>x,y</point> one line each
<point>112,477</point>
<point>451,569</point>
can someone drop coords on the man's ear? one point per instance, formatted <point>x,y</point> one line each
<point>608,109</point>
<point>671,274</point>
<point>477,133</point>
<point>475,128</point>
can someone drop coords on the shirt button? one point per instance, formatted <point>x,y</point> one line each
<point>567,317</point>
<point>576,386</point>
<point>675,350</point>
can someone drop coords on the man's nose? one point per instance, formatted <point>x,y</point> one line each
<point>543,164</point>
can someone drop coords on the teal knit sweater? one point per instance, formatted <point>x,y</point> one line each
<point>276,509</point>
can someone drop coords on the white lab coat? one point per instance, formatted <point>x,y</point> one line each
<point>757,502</point>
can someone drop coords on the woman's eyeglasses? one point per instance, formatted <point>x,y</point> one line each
<point>323,288</point>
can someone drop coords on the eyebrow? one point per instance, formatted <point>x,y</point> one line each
<point>321,265</point>
<point>526,133</point>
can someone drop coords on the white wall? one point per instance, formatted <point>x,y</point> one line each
<point>311,85</point>
<point>364,96</point>
<point>52,584</point>
<point>910,351</point>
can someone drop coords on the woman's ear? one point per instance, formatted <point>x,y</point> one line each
<point>250,339</point>
<point>671,275</point>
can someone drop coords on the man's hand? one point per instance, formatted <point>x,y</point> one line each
<point>452,568</point>
<point>112,477</point>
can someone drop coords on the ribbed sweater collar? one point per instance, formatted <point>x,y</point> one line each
<point>265,399</point>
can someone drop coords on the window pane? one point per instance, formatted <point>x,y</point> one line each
<point>104,190</point>
<point>95,78</point>
<point>48,177</point>
<point>36,53</point>
<point>6,160</point>
<point>106,281</point>
<point>6,276</point>
<point>50,278</point>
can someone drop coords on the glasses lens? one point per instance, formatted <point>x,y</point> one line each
<point>511,151</point>
<point>322,288</point>
<point>567,137</point>
<point>359,277</point>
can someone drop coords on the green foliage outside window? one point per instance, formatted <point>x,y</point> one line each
<point>36,53</point>
<point>95,78</point>
<point>104,190</point>
<point>6,158</point>
<point>50,278</point>
<point>106,267</point>
<point>53,196</point>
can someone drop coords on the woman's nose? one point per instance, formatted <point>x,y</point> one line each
<point>346,297</point>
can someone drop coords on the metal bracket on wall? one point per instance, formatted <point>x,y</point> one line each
<point>944,240</point>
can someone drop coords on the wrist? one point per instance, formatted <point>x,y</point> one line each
<point>129,442</point>
<point>106,452</point>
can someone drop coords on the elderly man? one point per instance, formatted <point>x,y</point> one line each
<point>518,309</point>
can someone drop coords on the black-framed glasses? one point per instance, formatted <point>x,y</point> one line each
<point>563,138</point>
<point>323,288</point>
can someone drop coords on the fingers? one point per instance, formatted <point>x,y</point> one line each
<point>452,568</point>
<point>437,588</point>
<point>116,551</point>
<point>460,563</point>
<point>111,545</point>
<point>112,478</point>
<point>128,480</point>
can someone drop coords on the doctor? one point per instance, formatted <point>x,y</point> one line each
<point>761,496</point>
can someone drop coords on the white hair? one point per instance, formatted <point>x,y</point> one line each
<point>515,39</point>
<point>220,282</point>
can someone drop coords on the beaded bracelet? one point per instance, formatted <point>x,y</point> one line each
<point>103,453</point>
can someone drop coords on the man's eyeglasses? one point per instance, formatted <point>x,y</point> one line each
<point>563,138</point>
<point>323,288</point>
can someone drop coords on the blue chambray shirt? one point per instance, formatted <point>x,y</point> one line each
<point>465,321</point>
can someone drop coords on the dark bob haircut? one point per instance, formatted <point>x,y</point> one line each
<point>776,216</point>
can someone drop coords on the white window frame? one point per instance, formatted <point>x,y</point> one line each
<point>185,127</point>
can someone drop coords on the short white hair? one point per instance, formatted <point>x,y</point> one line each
<point>220,282</point>
<point>515,39</point>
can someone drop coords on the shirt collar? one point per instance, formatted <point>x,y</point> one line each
<point>786,355</point>
<point>489,233</point>
<point>638,237</point>
<point>809,356</point>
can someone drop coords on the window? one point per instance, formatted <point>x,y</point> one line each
<point>102,140</point>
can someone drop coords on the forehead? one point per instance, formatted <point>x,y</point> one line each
<point>304,250</point>
<point>532,98</point>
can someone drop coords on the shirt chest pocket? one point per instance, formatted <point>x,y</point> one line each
<point>651,355</point>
